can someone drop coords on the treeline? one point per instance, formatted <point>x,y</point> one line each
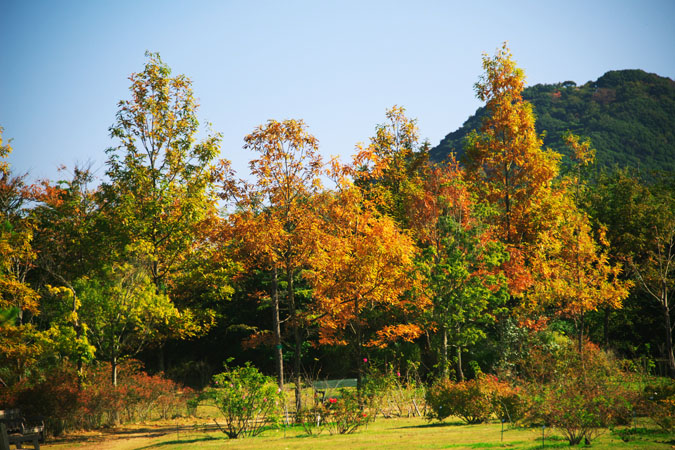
<point>315,268</point>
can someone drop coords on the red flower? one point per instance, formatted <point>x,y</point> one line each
<point>332,400</point>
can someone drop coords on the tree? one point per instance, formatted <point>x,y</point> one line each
<point>637,221</point>
<point>506,163</point>
<point>16,235</point>
<point>461,262</point>
<point>360,275</point>
<point>574,272</point>
<point>656,270</point>
<point>123,312</point>
<point>389,169</point>
<point>278,220</point>
<point>18,300</point>
<point>161,181</point>
<point>69,245</point>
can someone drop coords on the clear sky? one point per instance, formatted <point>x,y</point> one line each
<point>336,64</point>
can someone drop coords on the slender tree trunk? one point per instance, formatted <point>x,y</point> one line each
<point>460,373</point>
<point>581,332</point>
<point>298,341</point>
<point>359,352</point>
<point>278,352</point>
<point>669,339</point>
<point>444,355</point>
<point>113,370</point>
<point>113,379</point>
<point>605,328</point>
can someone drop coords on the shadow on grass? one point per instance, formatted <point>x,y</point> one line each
<point>479,445</point>
<point>436,425</point>
<point>645,435</point>
<point>182,441</point>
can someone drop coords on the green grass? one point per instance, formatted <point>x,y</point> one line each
<point>390,434</point>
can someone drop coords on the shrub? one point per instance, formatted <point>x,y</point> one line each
<point>55,397</point>
<point>343,413</point>
<point>476,400</point>
<point>312,418</point>
<point>391,394</point>
<point>467,400</point>
<point>508,401</point>
<point>585,397</point>
<point>248,400</point>
<point>138,396</point>
<point>66,402</point>
<point>660,404</point>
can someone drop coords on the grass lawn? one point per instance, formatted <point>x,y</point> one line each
<point>390,434</point>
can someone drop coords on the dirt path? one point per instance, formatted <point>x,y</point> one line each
<point>125,437</point>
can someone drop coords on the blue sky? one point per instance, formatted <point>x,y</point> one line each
<point>336,64</point>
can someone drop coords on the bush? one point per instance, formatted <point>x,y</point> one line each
<point>66,402</point>
<point>508,401</point>
<point>343,413</point>
<point>313,418</point>
<point>585,397</point>
<point>476,400</point>
<point>391,394</point>
<point>248,400</point>
<point>138,396</point>
<point>55,397</point>
<point>340,414</point>
<point>466,399</point>
<point>660,404</point>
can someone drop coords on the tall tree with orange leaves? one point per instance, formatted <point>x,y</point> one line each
<point>506,163</point>
<point>277,218</point>
<point>361,275</point>
<point>389,169</point>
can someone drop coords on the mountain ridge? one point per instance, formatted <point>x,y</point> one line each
<point>629,115</point>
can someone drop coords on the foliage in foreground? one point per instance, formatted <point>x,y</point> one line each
<point>660,404</point>
<point>582,395</point>
<point>474,401</point>
<point>248,400</point>
<point>67,402</point>
<point>340,414</point>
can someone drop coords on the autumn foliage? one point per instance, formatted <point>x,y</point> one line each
<point>311,267</point>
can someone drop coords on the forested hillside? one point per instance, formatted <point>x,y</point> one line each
<point>629,115</point>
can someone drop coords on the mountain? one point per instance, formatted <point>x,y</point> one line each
<point>629,115</point>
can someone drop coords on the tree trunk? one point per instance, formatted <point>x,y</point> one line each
<point>669,339</point>
<point>298,341</point>
<point>444,355</point>
<point>460,373</point>
<point>113,379</point>
<point>580,334</point>
<point>113,370</point>
<point>278,352</point>
<point>359,352</point>
<point>605,329</point>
